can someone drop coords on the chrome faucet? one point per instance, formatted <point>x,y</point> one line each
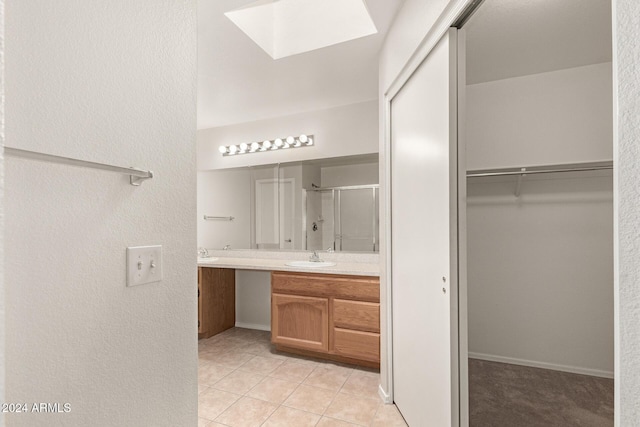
<point>330,249</point>
<point>226,247</point>
<point>315,257</point>
<point>203,252</point>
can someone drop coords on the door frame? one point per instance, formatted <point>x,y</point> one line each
<point>278,206</point>
<point>455,14</point>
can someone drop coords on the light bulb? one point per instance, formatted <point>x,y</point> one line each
<point>278,142</point>
<point>266,144</point>
<point>303,138</point>
<point>244,146</point>
<point>255,146</point>
<point>222,149</point>
<point>290,140</point>
<point>233,149</point>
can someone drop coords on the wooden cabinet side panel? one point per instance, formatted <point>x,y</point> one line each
<point>201,324</point>
<point>218,288</point>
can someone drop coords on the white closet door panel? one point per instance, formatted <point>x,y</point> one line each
<point>424,211</point>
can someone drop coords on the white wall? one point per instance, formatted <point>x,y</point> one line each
<point>360,174</point>
<point>562,116</point>
<point>557,239</point>
<point>224,193</point>
<point>540,272</point>
<point>253,299</point>
<point>627,195</point>
<point>114,82</point>
<point>340,131</point>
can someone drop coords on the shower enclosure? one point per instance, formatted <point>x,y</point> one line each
<point>343,218</point>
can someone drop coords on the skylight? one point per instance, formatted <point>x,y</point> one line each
<point>288,27</point>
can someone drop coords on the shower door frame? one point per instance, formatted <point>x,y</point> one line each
<point>336,213</point>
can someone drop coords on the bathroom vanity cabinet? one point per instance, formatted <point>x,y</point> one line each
<point>216,300</point>
<point>325,315</point>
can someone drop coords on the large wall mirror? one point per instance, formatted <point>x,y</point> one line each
<point>325,204</point>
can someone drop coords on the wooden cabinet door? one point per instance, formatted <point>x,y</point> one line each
<point>300,322</point>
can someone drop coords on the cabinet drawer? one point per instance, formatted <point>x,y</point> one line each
<point>363,316</point>
<point>327,285</point>
<point>357,344</point>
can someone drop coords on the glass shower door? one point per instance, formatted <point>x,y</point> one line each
<point>356,220</point>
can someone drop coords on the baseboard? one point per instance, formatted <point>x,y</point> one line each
<point>253,326</point>
<point>542,365</point>
<point>383,395</point>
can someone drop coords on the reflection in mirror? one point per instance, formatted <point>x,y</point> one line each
<point>325,204</point>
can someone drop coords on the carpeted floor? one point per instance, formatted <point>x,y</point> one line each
<point>502,395</point>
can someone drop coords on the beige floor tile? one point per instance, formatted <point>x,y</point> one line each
<point>353,409</point>
<point>202,388</point>
<point>292,371</point>
<point>255,348</point>
<point>388,416</point>
<point>214,402</point>
<point>362,385</point>
<point>303,360</point>
<point>270,351</point>
<point>289,417</point>
<point>332,422</point>
<point>273,390</point>
<point>202,422</point>
<point>238,382</point>
<point>210,373</point>
<point>310,399</point>
<point>362,370</point>
<point>232,359</point>
<point>336,366</point>
<point>327,378</point>
<point>212,353</point>
<point>261,365</point>
<point>247,412</point>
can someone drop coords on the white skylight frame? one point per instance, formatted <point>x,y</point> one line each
<point>289,27</point>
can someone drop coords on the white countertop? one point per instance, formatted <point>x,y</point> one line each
<point>279,264</point>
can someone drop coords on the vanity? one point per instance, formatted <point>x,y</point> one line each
<point>326,315</point>
<point>330,312</point>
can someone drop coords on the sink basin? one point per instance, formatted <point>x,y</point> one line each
<point>206,259</point>
<point>310,264</point>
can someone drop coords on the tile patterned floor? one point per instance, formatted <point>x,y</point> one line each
<point>244,382</point>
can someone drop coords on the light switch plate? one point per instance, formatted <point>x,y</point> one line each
<point>144,265</point>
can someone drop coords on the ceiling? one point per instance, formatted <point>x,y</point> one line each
<point>239,82</point>
<point>510,38</point>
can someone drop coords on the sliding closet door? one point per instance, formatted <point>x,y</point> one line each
<point>424,240</point>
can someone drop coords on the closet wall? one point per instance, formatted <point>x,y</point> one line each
<point>540,266</point>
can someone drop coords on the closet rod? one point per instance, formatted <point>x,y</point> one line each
<point>222,218</point>
<point>551,169</point>
<point>136,176</point>
<point>347,187</point>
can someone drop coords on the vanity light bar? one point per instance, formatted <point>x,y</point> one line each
<point>267,145</point>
